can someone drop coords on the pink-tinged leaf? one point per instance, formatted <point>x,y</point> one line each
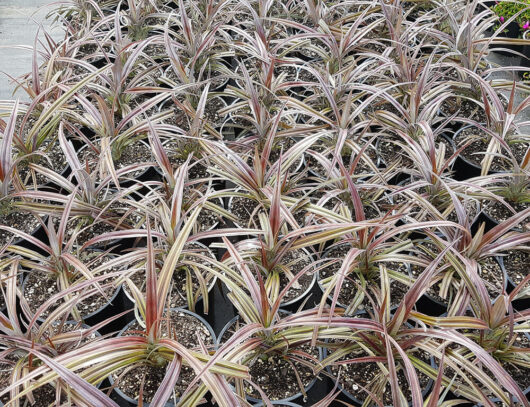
<point>88,392</point>
<point>152,319</point>
<point>166,388</point>
<point>6,164</point>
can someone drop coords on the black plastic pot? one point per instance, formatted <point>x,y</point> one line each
<point>463,168</point>
<point>521,304</point>
<point>282,401</point>
<point>111,308</point>
<point>38,233</point>
<point>483,217</point>
<point>358,402</point>
<point>429,305</point>
<point>125,400</point>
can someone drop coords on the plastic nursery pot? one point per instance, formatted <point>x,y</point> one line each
<point>293,304</point>
<point>131,177</point>
<point>521,304</point>
<point>463,168</point>
<point>358,402</point>
<point>38,233</point>
<point>278,403</point>
<point>125,400</point>
<point>113,306</point>
<point>281,401</point>
<point>490,222</point>
<point>109,309</point>
<point>436,306</point>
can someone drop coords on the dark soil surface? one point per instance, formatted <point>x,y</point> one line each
<point>500,213</point>
<point>516,264</point>
<point>273,373</point>
<point>475,151</point>
<point>354,376</point>
<point>246,211</point>
<point>184,328</point>
<point>20,220</point>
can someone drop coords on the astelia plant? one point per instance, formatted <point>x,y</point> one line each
<point>271,252</point>
<point>168,222</point>
<point>7,163</point>
<point>155,345</point>
<point>372,243</point>
<point>267,333</point>
<point>92,202</point>
<point>501,125</point>
<point>61,261</point>
<point>254,180</point>
<point>34,138</point>
<point>35,346</point>
<point>471,251</point>
<point>496,328</point>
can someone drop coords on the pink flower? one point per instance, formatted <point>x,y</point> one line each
<point>526,25</point>
<point>502,19</point>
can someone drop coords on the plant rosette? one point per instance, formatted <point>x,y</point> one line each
<point>351,284</point>
<point>274,374</point>
<point>279,146</point>
<point>38,287</point>
<point>137,153</point>
<point>295,295</point>
<point>177,294</point>
<point>518,374</point>
<point>470,158</point>
<point>43,395</point>
<point>492,271</point>
<point>355,376</point>
<point>214,105</point>
<point>185,327</point>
